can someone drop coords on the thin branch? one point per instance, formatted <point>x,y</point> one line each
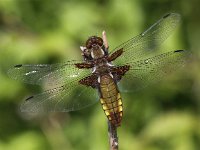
<point>112,133</point>
<point>105,40</point>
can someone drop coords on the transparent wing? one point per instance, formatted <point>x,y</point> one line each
<point>150,70</point>
<point>66,93</point>
<point>70,97</point>
<point>143,44</point>
<point>52,75</point>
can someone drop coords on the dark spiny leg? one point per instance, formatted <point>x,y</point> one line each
<point>120,71</point>
<point>115,55</point>
<point>90,81</point>
<point>86,65</point>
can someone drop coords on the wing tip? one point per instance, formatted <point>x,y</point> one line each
<point>18,66</point>
<point>167,15</point>
<point>176,15</point>
<point>27,99</point>
<point>186,52</point>
<point>11,71</point>
<point>180,50</point>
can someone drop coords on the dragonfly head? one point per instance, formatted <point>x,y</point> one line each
<point>95,44</point>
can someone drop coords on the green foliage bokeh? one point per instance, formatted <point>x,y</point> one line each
<point>164,116</point>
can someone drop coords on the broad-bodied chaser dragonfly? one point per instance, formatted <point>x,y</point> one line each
<point>78,84</point>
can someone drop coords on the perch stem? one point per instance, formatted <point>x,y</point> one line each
<point>112,129</point>
<point>113,139</point>
<point>105,40</point>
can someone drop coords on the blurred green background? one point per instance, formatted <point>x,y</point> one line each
<point>164,116</point>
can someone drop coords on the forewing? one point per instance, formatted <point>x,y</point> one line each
<point>143,44</point>
<point>51,75</point>
<point>153,69</point>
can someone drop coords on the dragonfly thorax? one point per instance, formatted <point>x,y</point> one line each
<point>97,52</point>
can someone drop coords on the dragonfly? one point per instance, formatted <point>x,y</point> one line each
<point>102,75</point>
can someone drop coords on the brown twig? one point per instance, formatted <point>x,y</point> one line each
<point>105,40</point>
<point>112,133</point>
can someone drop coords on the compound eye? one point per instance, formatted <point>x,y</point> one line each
<point>99,41</point>
<point>89,44</point>
<point>93,39</point>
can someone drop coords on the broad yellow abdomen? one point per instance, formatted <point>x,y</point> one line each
<point>110,99</point>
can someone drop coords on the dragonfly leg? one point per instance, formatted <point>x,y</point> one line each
<point>115,55</point>
<point>84,65</point>
<point>90,81</point>
<point>120,71</point>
